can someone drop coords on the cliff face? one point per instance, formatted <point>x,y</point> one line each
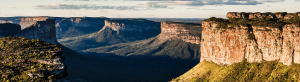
<point>187,32</point>
<point>72,27</point>
<point>43,30</point>
<point>25,22</point>
<point>120,30</point>
<point>131,25</point>
<point>251,42</point>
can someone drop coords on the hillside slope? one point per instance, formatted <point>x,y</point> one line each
<point>83,68</point>
<point>115,31</point>
<point>268,71</point>
<point>150,47</point>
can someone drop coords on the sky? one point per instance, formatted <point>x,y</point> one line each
<point>142,8</point>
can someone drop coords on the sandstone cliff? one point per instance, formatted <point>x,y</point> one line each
<point>131,24</point>
<point>188,32</point>
<point>43,30</point>
<point>26,22</point>
<point>227,42</point>
<point>126,30</point>
<point>77,26</point>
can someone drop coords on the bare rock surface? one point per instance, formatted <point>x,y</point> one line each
<point>188,32</point>
<point>255,42</point>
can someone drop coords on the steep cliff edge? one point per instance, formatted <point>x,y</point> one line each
<point>226,42</point>
<point>176,40</point>
<point>187,32</point>
<point>26,22</point>
<point>113,32</point>
<point>248,47</point>
<point>43,30</point>
<point>77,26</point>
<point>127,30</point>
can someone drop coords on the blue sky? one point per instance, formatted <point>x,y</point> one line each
<point>142,8</point>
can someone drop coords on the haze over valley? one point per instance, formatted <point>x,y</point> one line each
<point>149,41</point>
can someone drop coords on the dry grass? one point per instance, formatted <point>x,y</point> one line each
<point>241,72</point>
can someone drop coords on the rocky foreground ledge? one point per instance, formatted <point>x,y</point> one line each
<point>26,60</point>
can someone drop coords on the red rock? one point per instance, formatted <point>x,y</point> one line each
<point>181,31</point>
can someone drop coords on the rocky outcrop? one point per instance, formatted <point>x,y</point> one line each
<point>76,26</point>
<point>127,30</point>
<point>26,22</point>
<point>262,15</point>
<point>131,25</point>
<point>251,42</point>
<point>43,30</point>
<point>188,32</point>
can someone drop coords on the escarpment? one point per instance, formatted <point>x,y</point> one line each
<point>77,26</point>
<point>131,25</point>
<point>256,39</point>
<point>43,30</point>
<point>26,22</point>
<point>188,32</point>
<point>126,30</point>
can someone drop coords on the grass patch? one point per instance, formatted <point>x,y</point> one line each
<point>260,22</point>
<point>243,72</point>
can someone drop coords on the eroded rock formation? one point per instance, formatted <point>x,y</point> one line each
<point>188,32</point>
<point>26,22</point>
<point>251,42</point>
<point>131,25</point>
<point>262,15</point>
<point>43,30</point>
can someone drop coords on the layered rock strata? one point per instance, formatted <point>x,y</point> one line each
<point>254,43</point>
<point>76,26</point>
<point>43,30</point>
<point>26,22</point>
<point>188,32</point>
<point>131,25</point>
<point>262,15</point>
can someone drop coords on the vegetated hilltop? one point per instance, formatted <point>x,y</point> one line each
<point>176,40</point>
<point>252,46</point>
<point>25,59</point>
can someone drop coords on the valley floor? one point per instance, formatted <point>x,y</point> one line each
<point>95,69</point>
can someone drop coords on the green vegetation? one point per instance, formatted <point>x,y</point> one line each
<point>260,22</point>
<point>268,71</point>
<point>19,58</point>
<point>251,36</point>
